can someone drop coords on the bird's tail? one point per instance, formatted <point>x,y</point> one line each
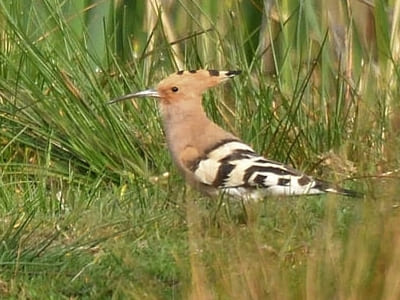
<point>330,188</point>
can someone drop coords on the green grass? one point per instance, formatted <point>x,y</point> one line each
<point>90,203</point>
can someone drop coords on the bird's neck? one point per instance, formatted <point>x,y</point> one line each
<point>181,122</point>
<point>174,114</point>
<point>186,124</point>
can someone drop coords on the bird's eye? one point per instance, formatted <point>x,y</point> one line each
<point>174,89</point>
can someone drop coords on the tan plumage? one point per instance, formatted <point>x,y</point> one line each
<point>212,159</point>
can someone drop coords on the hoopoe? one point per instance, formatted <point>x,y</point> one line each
<point>213,160</point>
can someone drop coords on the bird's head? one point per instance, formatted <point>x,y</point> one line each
<point>183,85</point>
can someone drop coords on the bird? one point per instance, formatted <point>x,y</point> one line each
<point>213,160</point>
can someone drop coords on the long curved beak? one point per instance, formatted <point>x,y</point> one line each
<point>141,94</point>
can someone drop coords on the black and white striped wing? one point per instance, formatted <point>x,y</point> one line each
<point>237,170</point>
